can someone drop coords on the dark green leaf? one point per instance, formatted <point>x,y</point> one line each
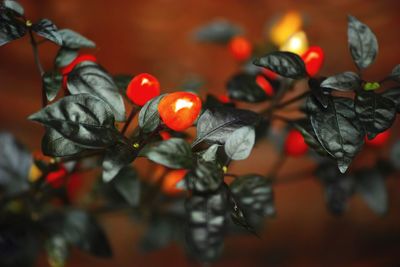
<point>79,229</point>
<point>14,6</point>
<point>346,81</point>
<point>47,29</point>
<point>338,187</point>
<point>218,31</point>
<point>286,64</point>
<point>215,125</point>
<point>376,113</point>
<point>244,87</point>
<point>10,28</point>
<point>337,128</point>
<point>371,185</point>
<point>394,95</point>
<point>206,217</point>
<point>254,193</point>
<point>127,184</point>
<point>15,163</point>
<point>205,177</point>
<point>210,155</point>
<point>395,75</point>
<point>65,56</point>
<point>57,251</point>
<point>174,153</point>
<point>52,84</point>
<point>83,119</point>
<point>149,119</point>
<point>74,40</point>
<point>362,43</point>
<point>92,79</point>
<point>122,81</point>
<point>305,127</point>
<point>56,145</point>
<point>240,142</point>
<point>318,91</point>
<point>116,158</point>
<point>19,241</point>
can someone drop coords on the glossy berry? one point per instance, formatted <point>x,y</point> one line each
<point>295,145</point>
<point>313,59</point>
<point>179,110</point>
<point>240,48</point>
<point>265,85</point>
<point>142,88</point>
<point>224,98</point>
<point>79,59</point>
<point>269,74</point>
<point>379,140</point>
<point>173,182</point>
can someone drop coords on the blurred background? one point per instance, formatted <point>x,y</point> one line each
<point>154,36</point>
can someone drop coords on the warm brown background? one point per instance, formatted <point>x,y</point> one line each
<point>153,36</point>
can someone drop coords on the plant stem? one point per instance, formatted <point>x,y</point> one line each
<point>129,120</point>
<point>273,107</point>
<point>38,64</point>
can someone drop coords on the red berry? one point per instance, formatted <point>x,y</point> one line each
<point>379,140</point>
<point>179,110</point>
<point>240,48</point>
<point>56,178</point>
<point>224,99</point>
<point>165,135</point>
<point>313,59</point>
<point>170,185</point>
<point>142,88</point>
<point>265,85</point>
<point>269,73</point>
<point>295,145</point>
<point>79,59</point>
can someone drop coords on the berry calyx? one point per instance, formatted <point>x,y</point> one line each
<point>172,184</point>
<point>313,59</point>
<point>379,140</point>
<point>240,48</point>
<point>179,110</point>
<point>142,88</point>
<point>295,145</point>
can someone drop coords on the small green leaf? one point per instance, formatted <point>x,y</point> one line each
<point>371,86</point>
<point>51,84</point>
<point>239,144</point>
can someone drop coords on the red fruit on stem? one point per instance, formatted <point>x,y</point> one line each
<point>265,85</point>
<point>240,48</point>
<point>295,145</point>
<point>56,178</point>
<point>313,59</point>
<point>224,98</point>
<point>142,88</point>
<point>179,110</point>
<point>379,140</point>
<point>269,73</point>
<point>170,184</point>
<point>165,135</point>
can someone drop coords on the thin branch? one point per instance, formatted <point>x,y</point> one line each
<point>130,118</point>
<point>38,64</point>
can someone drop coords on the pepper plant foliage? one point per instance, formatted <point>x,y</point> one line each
<point>86,124</point>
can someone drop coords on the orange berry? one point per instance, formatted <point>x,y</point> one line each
<point>142,88</point>
<point>171,180</point>
<point>240,48</point>
<point>179,110</point>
